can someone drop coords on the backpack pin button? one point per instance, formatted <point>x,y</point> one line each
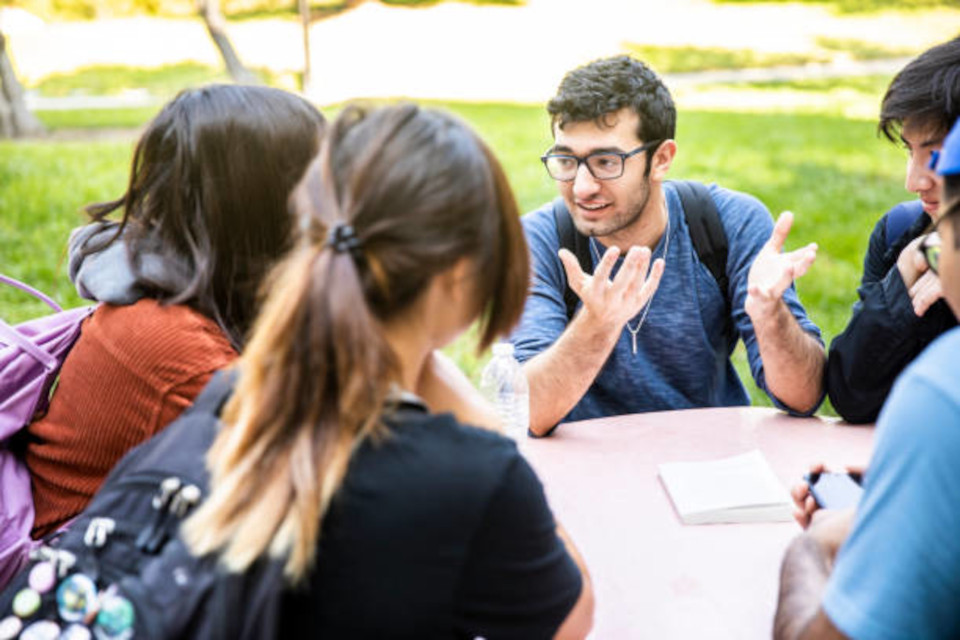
<point>76,597</point>
<point>76,632</point>
<point>26,603</point>
<point>10,627</point>
<point>115,619</point>
<point>42,577</point>
<point>42,630</point>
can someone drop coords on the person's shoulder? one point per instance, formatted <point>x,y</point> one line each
<point>737,205</point>
<point>939,363</point>
<point>150,327</point>
<point>445,433</point>
<point>540,228</point>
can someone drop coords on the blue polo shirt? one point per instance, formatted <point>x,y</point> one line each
<point>684,345</point>
<point>898,573</point>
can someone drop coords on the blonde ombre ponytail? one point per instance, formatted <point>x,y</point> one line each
<point>397,196</point>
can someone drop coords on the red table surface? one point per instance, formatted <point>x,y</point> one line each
<point>653,576</point>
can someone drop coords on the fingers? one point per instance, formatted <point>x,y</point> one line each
<point>925,292</point>
<point>781,230</point>
<point>631,276</point>
<point>575,275</point>
<point>802,259</point>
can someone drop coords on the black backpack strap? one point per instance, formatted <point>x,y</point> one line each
<point>215,394</point>
<point>706,231</point>
<point>575,242</point>
<point>901,219</point>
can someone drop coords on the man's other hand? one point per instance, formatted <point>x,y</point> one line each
<point>772,271</point>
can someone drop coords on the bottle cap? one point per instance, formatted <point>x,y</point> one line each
<point>503,349</point>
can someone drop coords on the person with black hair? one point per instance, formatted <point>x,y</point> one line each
<point>891,568</point>
<point>631,342</point>
<point>900,306</point>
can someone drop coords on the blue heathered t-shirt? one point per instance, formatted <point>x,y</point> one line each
<point>684,345</point>
<point>898,573</point>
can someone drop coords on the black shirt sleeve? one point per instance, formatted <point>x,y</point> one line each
<point>519,581</point>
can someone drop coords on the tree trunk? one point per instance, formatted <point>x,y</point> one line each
<point>217,26</point>
<point>15,119</point>
<point>304,9</point>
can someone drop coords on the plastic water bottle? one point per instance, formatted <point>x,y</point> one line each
<point>504,383</point>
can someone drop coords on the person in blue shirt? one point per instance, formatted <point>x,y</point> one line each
<point>649,338</point>
<point>891,568</point>
<point>900,302</point>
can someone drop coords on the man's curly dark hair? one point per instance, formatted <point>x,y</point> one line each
<point>598,89</point>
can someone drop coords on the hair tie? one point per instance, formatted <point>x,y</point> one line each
<point>342,238</point>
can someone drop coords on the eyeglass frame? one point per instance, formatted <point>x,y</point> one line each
<point>584,160</point>
<point>931,252</point>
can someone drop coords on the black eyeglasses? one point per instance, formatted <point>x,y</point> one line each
<point>602,165</point>
<point>930,248</point>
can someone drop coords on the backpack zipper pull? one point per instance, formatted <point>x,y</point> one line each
<point>180,505</point>
<point>98,531</point>
<point>167,491</point>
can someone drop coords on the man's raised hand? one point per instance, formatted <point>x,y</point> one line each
<point>614,302</point>
<point>772,271</point>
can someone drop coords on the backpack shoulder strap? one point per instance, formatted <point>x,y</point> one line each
<point>901,218</point>
<point>576,243</point>
<point>47,300</point>
<point>215,394</point>
<point>706,231</point>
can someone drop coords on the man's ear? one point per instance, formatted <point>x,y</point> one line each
<point>662,160</point>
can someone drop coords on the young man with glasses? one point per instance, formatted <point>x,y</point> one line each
<point>647,338</point>
<point>900,310</point>
<point>891,569</point>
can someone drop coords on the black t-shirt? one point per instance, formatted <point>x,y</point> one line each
<point>439,531</point>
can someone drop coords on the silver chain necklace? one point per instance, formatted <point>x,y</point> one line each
<point>646,309</point>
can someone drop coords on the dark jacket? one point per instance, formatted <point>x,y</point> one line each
<point>884,335</point>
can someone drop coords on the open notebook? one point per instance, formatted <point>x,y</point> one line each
<point>738,489</point>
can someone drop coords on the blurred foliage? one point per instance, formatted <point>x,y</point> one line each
<point>239,9</point>
<point>863,50</point>
<point>163,81</point>
<point>685,58</point>
<point>859,6</point>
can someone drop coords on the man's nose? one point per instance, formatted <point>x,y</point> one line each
<point>584,184</point>
<point>920,177</point>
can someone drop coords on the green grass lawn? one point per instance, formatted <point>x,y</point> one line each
<point>831,171</point>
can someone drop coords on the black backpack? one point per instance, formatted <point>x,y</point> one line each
<point>121,569</point>
<point>706,233</point>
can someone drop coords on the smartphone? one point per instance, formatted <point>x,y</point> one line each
<point>834,490</point>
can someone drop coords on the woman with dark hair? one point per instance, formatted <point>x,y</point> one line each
<point>390,520</point>
<point>203,218</point>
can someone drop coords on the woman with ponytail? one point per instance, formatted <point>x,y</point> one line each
<point>203,219</point>
<point>390,519</point>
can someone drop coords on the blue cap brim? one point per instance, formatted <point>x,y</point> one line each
<point>948,160</point>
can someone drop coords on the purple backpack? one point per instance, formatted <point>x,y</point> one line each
<point>31,354</point>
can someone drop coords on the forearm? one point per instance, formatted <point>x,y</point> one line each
<point>793,360</point>
<point>803,581</point>
<point>560,376</point>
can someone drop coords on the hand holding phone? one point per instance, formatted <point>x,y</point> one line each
<point>834,490</point>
